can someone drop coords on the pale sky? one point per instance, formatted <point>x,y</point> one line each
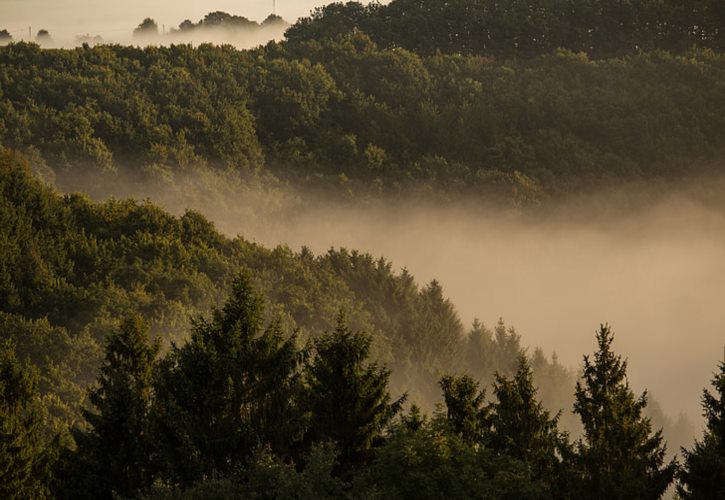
<point>114,19</point>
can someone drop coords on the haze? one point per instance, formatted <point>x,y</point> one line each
<point>114,21</point>
<point>656,274</point>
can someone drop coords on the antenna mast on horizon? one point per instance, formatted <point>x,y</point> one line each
<point>274,7</point>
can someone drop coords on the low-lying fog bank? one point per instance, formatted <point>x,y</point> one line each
<point>656,273</point>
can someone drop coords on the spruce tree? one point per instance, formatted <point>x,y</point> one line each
<point>231,389</point>
<point>523,428</point>
<point>348,396</point>
<point>112,457</point>
<point>703,472</point>
<point>24,452</point>
<point>466,412</point>
<point>619,456</point>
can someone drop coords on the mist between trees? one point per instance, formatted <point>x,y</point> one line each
<point>74,267</point>
<point>235,333</point>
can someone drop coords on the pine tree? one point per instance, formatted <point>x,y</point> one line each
<point>113,455</point>
<point>24,453</point>
<point>523,429</point>
<point>348,396</point>
<point>619,456</point>
<point>703,473</point>
<point>232,388</point>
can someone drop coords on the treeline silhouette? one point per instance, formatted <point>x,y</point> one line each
<point>238,411</point>
<point>522,28</point>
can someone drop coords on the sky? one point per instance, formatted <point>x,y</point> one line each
<point>112,18</point>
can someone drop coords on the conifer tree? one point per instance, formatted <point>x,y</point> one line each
<point>522,426</point>
<point>230,389</point>
<point>348,396</point>
<point>466,412</point>
<point>24,453</point>
<point>703,472</point>
<point>113,455</point>
<point>619,456</point>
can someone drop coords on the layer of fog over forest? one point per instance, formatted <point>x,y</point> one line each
<point>72,22</point>
<point>652,269</point>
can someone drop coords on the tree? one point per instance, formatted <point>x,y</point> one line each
<point>703,473</point>
<point>43,36</point>
<point>113,455</point>
<point>466,413</point>
<point>618,456</point>
<point>523,429</point>
<point>24,452</point>
<point>232,388</point>
<point>348,396</point>
<point>5,37</point>
<point>148,27</point>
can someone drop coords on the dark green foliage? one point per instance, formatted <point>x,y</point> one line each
<point>345,118</point>
<point>703,472</point>
<point>517,28</point>
<point>232,387</point>
<point>113,456</point>
<point>431,462</point>
<point>619,456</point>
<point>67,364</point>
<point>268,477</point>
<point>347,395</point>
<point>147,27</point>
<point>466,412</point>
<point>523,429</point>
<point>25,451</point>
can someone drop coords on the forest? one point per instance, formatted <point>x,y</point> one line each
<point>148,354</point>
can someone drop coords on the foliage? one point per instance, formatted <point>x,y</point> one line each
<point>147,27</point>
<point>618,456</point>
<point>112,457</point>
<point>348,396</point>
<point>25,453</point>
<point>230,388</point>
<point>703,472</point>
<point>466,412</point>
<point>343,117</point>
<point>517,28</point>
<point>524,430</point>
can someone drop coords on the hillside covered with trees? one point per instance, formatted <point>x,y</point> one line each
<point>323,402</point>
<point>148,355</point>
<point>344,116</point>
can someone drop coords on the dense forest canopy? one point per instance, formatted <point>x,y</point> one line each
<point>348,115</point>
<point>148,355</point>
<point>522,28</point>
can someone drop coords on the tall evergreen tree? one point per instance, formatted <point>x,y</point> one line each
<point>24,452</point>
<point>618,456</point>
<point>112,457</point>
<point>229,390</point>
<point>523,428</point>
<point>703,473</point>
<point>348,396</point>
<point>466,412</point>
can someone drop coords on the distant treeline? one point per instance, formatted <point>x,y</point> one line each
<point>522,28</point>
<point>345,115</point>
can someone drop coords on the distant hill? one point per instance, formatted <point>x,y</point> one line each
<point>345,118</point>
<point>601,28</point>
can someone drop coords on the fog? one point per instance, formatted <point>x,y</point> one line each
<point>655,271</point>
<point>657,276</point>
<point>114,21</point>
